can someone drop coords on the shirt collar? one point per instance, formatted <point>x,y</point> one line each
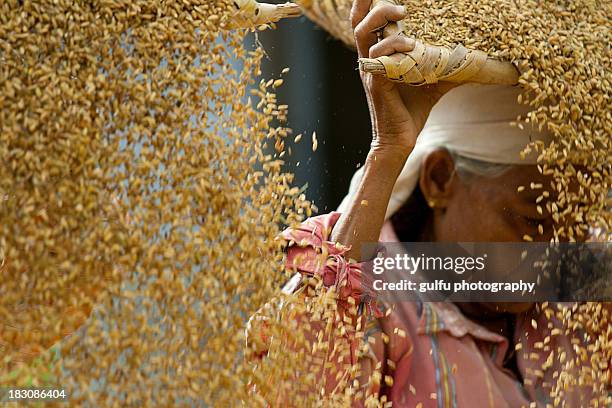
<point>446,316</point>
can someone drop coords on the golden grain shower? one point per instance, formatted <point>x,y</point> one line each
<point>163,241</point>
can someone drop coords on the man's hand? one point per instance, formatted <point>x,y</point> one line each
<point>398,111</point>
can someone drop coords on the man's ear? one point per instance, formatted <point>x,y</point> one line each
<point>436,178</point>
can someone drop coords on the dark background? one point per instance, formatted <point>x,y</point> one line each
<point>324,94</point>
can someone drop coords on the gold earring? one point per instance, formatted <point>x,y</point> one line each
<point>431,203</point>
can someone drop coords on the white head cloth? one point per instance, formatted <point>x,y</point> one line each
<point>473,121</point>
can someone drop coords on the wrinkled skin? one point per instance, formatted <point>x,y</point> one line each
<point>483,209</point>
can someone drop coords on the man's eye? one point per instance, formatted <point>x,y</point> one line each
<point>528,220</point>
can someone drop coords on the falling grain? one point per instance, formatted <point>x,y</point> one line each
<point>121,214</point>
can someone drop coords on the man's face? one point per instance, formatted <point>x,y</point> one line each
<point>492,209</point>
<point>498,209</point>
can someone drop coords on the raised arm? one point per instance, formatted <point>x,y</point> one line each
<point>398,113</point>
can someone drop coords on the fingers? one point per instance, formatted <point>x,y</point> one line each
<point>392,45</point>
<point>359,11</point>
<point>367,26</point>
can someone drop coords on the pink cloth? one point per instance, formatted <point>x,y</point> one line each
<point>444,359</point>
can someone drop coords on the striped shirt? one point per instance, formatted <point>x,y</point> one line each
<point>436,356</point>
